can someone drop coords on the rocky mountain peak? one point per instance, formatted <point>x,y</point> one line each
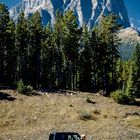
<point>87,11</point>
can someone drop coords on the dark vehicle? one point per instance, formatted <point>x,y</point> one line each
<point>64,136</point>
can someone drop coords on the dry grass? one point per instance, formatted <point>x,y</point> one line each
<point>133,120</point>
<point>34,117</point>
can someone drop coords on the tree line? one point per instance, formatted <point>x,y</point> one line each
<point>63,55</point>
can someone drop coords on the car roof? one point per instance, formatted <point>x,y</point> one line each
<point>64,133</point>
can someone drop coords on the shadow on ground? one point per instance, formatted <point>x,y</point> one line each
<point>137,103</point>
<point>91,102</point>
<point>32,93</point>
<point>5,96</point>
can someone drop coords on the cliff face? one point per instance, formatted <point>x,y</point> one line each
<point>87,11</point>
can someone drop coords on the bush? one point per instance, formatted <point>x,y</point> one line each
<point>21,88</point>
<point>120,97</point>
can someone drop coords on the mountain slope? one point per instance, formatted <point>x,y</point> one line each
<point>130,35</point>
<point>129,38</point>
<point>88,11</point>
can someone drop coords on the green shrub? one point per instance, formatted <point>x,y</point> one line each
<point>120,97</point>
<point>21,88</point>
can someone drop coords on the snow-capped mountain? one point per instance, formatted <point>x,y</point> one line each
<point>88,11</point>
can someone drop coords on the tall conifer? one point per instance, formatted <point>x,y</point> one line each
<point>21,42</point>
<point>4,21</point>
<point>35,45</point>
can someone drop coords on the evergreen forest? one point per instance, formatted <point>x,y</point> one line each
<point>66,56</point>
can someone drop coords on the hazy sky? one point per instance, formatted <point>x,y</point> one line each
<point>133,7</point>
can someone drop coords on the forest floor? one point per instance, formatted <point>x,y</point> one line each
<point>34,117</point>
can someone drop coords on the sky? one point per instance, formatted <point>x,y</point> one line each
<point>133,8</point>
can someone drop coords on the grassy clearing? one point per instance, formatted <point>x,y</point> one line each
<point>34,117</point>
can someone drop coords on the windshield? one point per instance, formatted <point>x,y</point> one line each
<point>62,136</point>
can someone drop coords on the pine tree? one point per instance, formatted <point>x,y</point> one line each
<point>45,57</point>
<point>97,64</point>
<point>11,57</point>
<point>21,42</point>
<point>4,20</point>
<point>108,43</point>
<point>136,59</point>
<point>70,49</point>
<point>130,87</point>
<point>119,71</point>
<point>49,54</point>
<point>58,35</point>
<point>85,62</point>
<point>35,45</point>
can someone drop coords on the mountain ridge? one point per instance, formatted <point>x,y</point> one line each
<point>130,37</point>
<point>88,12</point>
